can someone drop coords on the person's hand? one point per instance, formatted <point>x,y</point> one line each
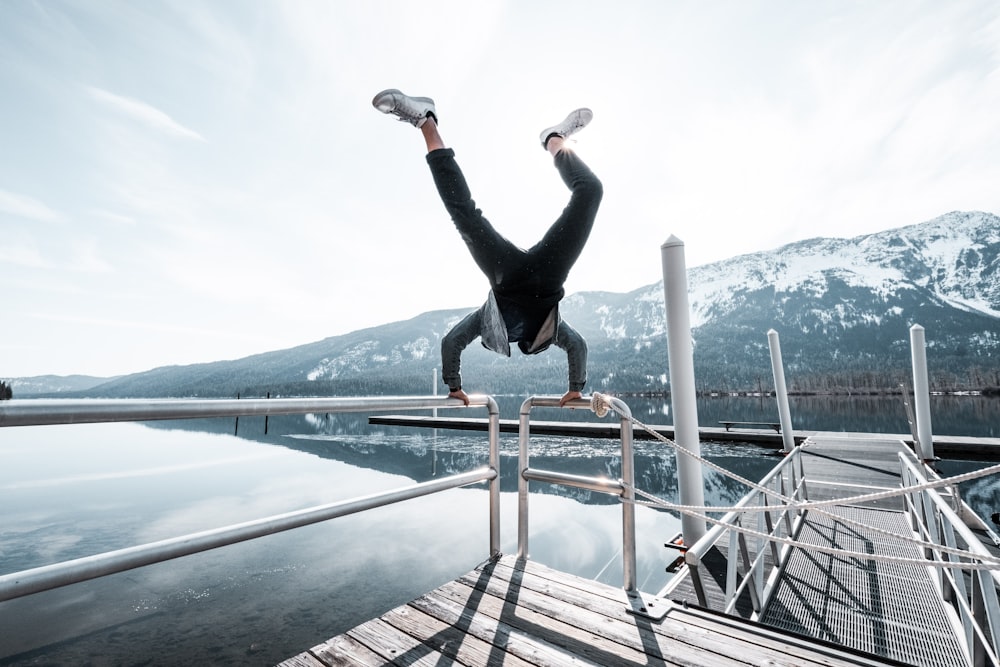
<point>569,396</point>
<point>460,395</point>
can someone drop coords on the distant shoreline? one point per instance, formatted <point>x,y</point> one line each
<point>990,392</point>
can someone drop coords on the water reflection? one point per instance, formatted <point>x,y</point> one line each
<point>422,454</point>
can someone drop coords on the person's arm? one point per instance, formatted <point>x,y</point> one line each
<point>570,340</point>
<point>452,346</point>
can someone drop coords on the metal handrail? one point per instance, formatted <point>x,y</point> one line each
<point>37,413</point>
<point>787,479</point>
<point>972,593</point>
<point>625,487</point>
<point>41,412</point>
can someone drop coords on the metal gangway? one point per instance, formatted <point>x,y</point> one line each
<point>855,541</point>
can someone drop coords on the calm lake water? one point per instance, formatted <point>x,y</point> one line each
<point>73,491</point>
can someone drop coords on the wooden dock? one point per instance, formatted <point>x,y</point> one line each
<point>944,445</point>
<point>609,429</point>
<point>522,613</point>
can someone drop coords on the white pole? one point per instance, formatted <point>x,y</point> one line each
<point>781,392</point>
<point>921,393</point>
<point>680,357</point>
<point>434,414</point>
<point>434,388</point>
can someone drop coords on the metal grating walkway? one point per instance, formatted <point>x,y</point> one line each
<point>886,609</point>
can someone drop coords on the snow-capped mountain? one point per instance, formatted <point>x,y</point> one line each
<point>841,306</point>
<point>843,309</point>
<point>953,259</point>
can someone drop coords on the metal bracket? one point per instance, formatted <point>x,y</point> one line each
<point>648,606</point>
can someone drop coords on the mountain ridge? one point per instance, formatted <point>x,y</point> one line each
<point>843,308</point>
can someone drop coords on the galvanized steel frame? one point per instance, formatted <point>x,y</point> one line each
<point>625,487</point>
<point>787,479</point>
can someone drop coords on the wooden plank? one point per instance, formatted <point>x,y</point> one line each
<point>624,639</point>
<point>450,639</point>
<point>572,632</point>
<point>396,646</point>
<point>771,425</point>
<point>451,606</point>
<point>344,651</point>
<point>304,660</point>
<point>577,599</point>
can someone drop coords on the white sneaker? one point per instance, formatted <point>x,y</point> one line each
<point>575,121</point>
<point>412,110</point>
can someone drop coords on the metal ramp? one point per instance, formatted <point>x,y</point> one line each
<point>834,559</point>
<point>886,609</point>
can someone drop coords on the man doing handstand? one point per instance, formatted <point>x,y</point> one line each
<point>525,285</point>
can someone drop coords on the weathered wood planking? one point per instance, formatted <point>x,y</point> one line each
<point>521,613</point>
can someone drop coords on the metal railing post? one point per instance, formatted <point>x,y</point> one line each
<point>625,488</point>
<point>522,480</point>
<point>921,392</point>
<point>628,506</point>
<point>781,391</point>
<point>494,463</point>
<point>683,397</point>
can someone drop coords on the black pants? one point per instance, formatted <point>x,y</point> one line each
<point>540,271</point>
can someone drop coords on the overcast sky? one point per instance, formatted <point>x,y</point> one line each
<point>186,181</point>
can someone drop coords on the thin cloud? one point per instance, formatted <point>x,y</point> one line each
<point>112,323</point>
<point>144,113</point>
<point>21,206</point>
<point>82,257</point>
<point>22,256</point>
<point>116,218</point>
